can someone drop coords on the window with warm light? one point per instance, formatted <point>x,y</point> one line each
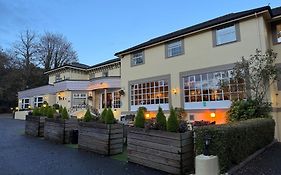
<point>154,92</point>
<point>206,87</point>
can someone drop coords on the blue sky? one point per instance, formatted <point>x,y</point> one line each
<point>100,28</point>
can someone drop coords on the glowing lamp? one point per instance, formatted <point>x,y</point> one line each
<point>213,115</point>
<point>147,116</point>
<point>174,91</point>
<point>44,105</point>
<point>17,108</point>
<point>29,107</point>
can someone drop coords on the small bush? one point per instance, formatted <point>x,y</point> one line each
<point>103,114</point>
<point>56,106</point>
<point>161,122</point>
<point>87,117</point>
<point>173,123</point>
<point>36,112</point>
<point>50,112</point>
<point>234,142</point>
<point>43,111</point>
<point>140,120</point>
<point>248,109</point>
<point>109,118</point>
<point>60,109</point>
<point>64,113</point>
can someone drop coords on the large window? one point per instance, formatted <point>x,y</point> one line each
<point>174,48</point>
<point>155,92</point>
<point>79,99</point>
<point>225,35</point>
<point>137,58</point>
<point>215,86</point>
<point>38,101</point>
<point>25,103</point>
<point>112,100</point>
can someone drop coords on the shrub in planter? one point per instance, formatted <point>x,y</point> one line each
<point>60,109</point>
<point>50,112</point>
<point>168,151</point>
<point>140,120</point>
<point>103,114</point>
<point>234,142</point>
<point>36,112</point>
<point>64,114</point>
<point>161,122</point>
<point>173,123</point>
<point>109,118</point>
<point>87,117</point>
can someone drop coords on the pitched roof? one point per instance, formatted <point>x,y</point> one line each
<point>105,63</point>
<point>212,22</point>
<point>84,67</point>
<point>276,11</point>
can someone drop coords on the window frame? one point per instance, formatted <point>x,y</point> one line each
<point>237,34</point>
<point>38,103</point>
<point>132,58</point>
<point>274,32</point>
<point>172,42</point>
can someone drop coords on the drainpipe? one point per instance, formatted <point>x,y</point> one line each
<point>259,32</point>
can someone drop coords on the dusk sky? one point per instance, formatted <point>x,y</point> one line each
<point>100,28</point>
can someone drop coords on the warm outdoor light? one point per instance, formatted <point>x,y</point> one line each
<point>213,115</point>
<point>174,91</point>
<point>114,110</point>
<point>147,116</point>
<point>59,95</point>
<point>17,108</point>
<point>44,105</point>
<point>29,107</point>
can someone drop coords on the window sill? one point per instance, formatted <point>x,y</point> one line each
<point>231,42</point>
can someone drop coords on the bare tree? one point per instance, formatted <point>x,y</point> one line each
<point>54,50</point>
<point>25,50</point>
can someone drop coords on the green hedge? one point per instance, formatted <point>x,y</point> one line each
<point>234,142</point>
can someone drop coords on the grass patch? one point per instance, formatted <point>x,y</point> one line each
<point>74,146</point>
<point>121,157</point>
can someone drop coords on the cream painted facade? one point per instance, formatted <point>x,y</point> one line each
<point>76,89</point>
<point>200,56</point>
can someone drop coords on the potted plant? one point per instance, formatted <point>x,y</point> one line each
<point>34,124</point>
<point>161,144</point>
<point>101,135</point>
<point>58,127</point>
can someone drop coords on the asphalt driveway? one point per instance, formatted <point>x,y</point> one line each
<point>20,154</point>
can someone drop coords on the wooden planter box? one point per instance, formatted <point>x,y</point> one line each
<point>59,130</point>
<point>34,125</point>
<point>106,139</point>
<point>166,151</point>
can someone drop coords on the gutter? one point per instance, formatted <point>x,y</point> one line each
<point>121,55</point>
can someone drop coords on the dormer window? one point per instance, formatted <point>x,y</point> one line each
<point>137,58</point>
<point>57,78</point>
<point>226,35</point>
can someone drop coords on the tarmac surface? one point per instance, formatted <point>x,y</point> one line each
<point>266,163</point>
<point>25,155</point>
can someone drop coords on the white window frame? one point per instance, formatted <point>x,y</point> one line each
<point>24,104</point>
<point>174,48</point>
<point>278,33</point>
<point>226,35</point>
<point>82,96</point>
<point>137,58</point>
<point>203,90</point>
<point>150,94</point>
<point>38,103</point>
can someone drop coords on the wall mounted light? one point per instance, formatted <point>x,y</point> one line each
<point>174,91</point>
<point>213,115</point>
<point>147,116</point>
<point>17,108</point>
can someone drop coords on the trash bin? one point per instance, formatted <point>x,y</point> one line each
<point>74,136</point>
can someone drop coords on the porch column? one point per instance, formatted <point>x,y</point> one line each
<point>105,98</point>
<point>94,99</point>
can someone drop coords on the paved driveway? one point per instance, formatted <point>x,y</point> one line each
<point>20,154</point>
<point>267,163</point>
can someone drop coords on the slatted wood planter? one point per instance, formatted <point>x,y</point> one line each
<point>166,151</point>
<point>34,125</point>
<point>106,139</point>
<point>58,130</point>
